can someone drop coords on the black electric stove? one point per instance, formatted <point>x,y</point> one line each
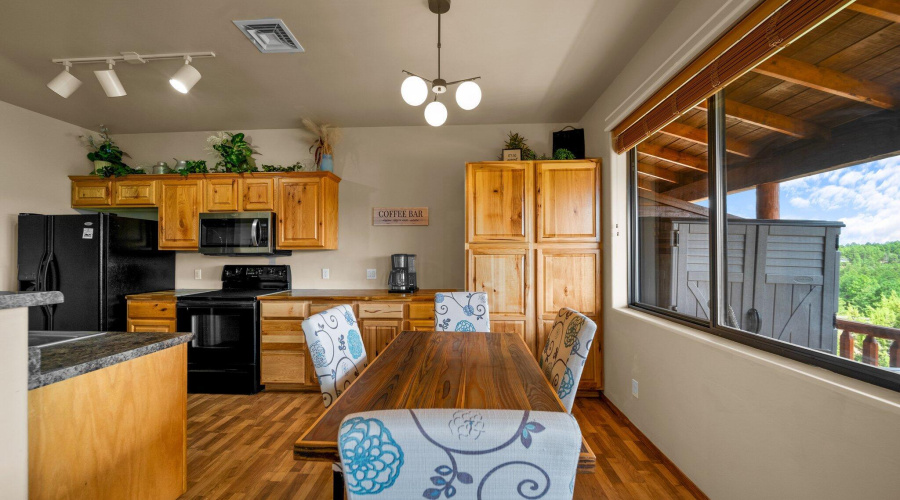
<point>223,357</point>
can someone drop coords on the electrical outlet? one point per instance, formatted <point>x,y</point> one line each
<point>370,274</point>
<point>325,274</point>
<point>198,274</point>
<point>634,387</point>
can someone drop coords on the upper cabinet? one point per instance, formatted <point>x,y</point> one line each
<point>179,214</point>
<point>567,201</point>
<point>499,195</point>
<point>307,212</point>
<point>305,203</point>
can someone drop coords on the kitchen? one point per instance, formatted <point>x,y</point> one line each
<point>249,231</point>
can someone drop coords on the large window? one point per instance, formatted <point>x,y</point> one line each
<point>770,214</point>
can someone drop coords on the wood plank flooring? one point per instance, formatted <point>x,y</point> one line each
<point>241,447</point>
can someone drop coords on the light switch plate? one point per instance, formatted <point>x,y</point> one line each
<point>634,387</point>
<point>370,274</point>
<point>325,273</point>
<point>198,274</point>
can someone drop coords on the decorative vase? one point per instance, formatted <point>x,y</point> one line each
<point>327,164</point>
<point>99,164</point>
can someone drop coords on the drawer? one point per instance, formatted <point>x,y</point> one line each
<point>160,325</point>
<point>420,325</point>
<point>135,193</point>
<point>281,326</point>
<point>421,310</point>
<point>284,309</point>
<point>151,309</point>
<point>283,367</point>
<point>283,342</point>
<point>91,193</point>
<point>379,311</point>
<point>317,308</point>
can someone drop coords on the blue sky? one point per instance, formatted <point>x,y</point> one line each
<point>865,197</point>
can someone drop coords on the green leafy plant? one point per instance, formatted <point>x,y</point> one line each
<point>296,167</point>
<point>104,149</point>
<point>193,167</point>
<point>116,170</point>
<point>517,141</point>
<point>563,154</point>
<point>234,152</point>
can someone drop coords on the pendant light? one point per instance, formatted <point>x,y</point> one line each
<point>186,77</point>
<point>415,91</point>
<point>65,83</point>
<point>109,80</point>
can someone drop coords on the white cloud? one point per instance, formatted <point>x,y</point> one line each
<point>799,202</point>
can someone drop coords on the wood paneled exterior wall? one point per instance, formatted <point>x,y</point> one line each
<point>533,244</point>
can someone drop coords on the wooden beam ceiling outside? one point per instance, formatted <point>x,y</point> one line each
<point>673,156</point>
<point>828,80</point>
<point>700,136</point>
<point>645,185</point>
<point>657,173</point>
<point>770,120</point>
<point>885,9</point>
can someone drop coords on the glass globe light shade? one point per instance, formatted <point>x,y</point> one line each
<point>414,90</point>
<point>468,95</point>
<point>435,114</point>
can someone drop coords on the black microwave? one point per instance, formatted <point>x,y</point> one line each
<point>238,233</point>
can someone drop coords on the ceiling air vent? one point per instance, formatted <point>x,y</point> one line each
<point>270,35</point>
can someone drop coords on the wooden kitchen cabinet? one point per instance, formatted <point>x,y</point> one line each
<point>505,274</point>
<point>91,192</point>
<point>500,195</point>
<point>179,214</point>
<point>284,357</point>
<point>154,315</point>
<point>257,195</point>
<point>306,208</point>
<point>377,334</point>
<point>222,194</point>
<point>567,201</point>
<point>135,192</point>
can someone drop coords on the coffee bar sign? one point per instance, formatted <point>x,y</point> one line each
<point>412,216</point>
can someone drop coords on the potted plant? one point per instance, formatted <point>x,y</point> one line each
<point>104,152</point>
<point>326,137</point>
<point>192,167</point>
<point>516,141</point>
<point>234,152</point>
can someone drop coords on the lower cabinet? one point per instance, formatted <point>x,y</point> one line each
<point>151,316</point>
<point>377,334</point>
<point>284,357</point>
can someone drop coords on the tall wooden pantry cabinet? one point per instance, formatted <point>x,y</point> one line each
<point>533,244</point>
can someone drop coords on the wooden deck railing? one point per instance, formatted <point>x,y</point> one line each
<point>869,346</point>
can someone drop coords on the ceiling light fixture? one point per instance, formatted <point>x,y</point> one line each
<point>65,83</point>
<point>414,90</point>
<point>183,80</point>
<point>186,77</point>
<point>109,80</point>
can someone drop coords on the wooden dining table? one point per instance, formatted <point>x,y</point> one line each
<point>440,370</point>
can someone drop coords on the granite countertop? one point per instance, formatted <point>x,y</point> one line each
<point>12,300</point>
<point>352,294</point>
<point>55,363</point>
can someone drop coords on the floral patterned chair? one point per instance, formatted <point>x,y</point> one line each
<point>336,349</point>
<point>459,454</point>
<point>566,351</point>
<point>461,312</point>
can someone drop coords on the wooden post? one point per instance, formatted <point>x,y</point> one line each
<point>846,345</point>
<point>870,351</point>
<point>895,354</point>
<point>767,206</point>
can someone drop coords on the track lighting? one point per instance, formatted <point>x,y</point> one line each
<point>186,77</point>
<point>183,80</point>
<point>65,83</point>
<point>109,80</point>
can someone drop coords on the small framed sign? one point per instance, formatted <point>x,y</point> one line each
<point>512,155</point>
<point>411,216</point>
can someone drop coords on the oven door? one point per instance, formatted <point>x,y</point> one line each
<point>225,333</point>
<point>236,233</point>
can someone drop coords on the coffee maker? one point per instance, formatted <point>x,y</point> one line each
<point>403,273</point>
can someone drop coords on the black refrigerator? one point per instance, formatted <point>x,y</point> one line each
<point>95,261</point>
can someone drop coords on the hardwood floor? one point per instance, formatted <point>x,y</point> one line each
<point>240,447</point>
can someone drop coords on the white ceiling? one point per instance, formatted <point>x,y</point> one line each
<point>540,61</point>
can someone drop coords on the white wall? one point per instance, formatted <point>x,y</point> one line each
<point>379,167</point>
<point>741,423</point>
<point>14,394</point>
<point>38,153</point>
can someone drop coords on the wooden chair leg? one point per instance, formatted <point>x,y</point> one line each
<point>338,484</point>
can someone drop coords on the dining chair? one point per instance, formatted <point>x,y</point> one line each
<point>459,454</point>
<point>461,312</point>
<point>336,350</point>
<point>565,352</point>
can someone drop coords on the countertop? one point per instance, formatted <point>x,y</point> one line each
<point>55,363</point>
<point>299,294</point>
<point>12,300</point>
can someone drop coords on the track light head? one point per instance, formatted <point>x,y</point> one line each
<point>65,83</point>
<point>110,81</point>
<point>185,78</point>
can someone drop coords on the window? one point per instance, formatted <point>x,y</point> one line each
<point>770,214</point>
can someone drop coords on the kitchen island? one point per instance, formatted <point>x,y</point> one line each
<point>107,416</point>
